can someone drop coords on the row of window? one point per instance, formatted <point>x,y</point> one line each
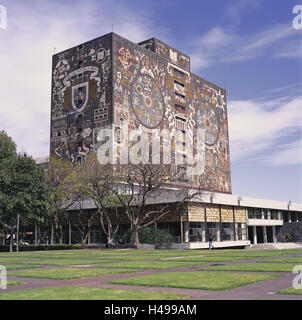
<point>260,213</point>
<point>219,232</point>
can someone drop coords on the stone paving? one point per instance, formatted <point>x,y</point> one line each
<point>260,290</point>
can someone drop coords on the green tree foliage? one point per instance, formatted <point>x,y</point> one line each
<point>59,195</point>
<point>22,188</point>
<point>92,180</point>
<point>7,146</point>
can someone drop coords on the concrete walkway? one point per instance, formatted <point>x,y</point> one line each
<point>277,246</point>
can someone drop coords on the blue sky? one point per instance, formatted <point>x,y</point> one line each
<point>248,47</point>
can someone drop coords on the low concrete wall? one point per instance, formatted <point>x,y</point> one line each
<point>216,244</point>
<point>264,222</point>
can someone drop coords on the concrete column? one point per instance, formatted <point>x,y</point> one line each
<point>289,217</point>
<point>269,214</point>
<point>186,231</point>
<point>264,235</point>
<point>274,232</point>
<point>262,214</point>
<point>218,235</point>
<point>255,234</point>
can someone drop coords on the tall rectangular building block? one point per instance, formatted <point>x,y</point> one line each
<point>110,81</point>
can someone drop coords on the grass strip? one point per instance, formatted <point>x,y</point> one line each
<point>195,280</point>
<point>87,293</point>
<point>292,291</point>
<point>258,267</point>
<point>68,273</point>
<point>163,264</point>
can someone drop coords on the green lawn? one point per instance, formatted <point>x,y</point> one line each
<point>206,259</point>
<point>290,291</point>
<point>14,283</point>
<point>163,264</point>
<point>67,273</point>
<point>86,293</point>
<point>297,260</point>
<point>64,262</point>
<point>264,267</point>
<point>195,280</point>
<point>20,266</point>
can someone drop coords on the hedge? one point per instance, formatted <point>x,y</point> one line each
<point>43,247</point>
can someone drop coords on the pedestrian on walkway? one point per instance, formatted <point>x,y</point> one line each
<point>210,237</point>
<point>283,238</point>
<point>275,238</point>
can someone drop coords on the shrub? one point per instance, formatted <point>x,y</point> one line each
<point>43,247</point>
<point>158,237</point>
<point>288,236</point>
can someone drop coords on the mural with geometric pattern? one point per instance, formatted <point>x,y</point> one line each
<point>109,80</point>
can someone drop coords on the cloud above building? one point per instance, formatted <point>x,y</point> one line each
<point>34,33</point>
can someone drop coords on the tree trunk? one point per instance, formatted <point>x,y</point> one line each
<point>4,236</point>
<point>11,240</point>
<point>60,235</point>
<point>39,235</point>
<point>17,235</point>
<point>52,234</point>
<point>36,234</point>
<point>69,231</point>
<point>134,235</point>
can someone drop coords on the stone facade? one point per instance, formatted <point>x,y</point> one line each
<point>81,98</point>
<point>110,80</point>
<point>227,214</point>
<point>240,214</point>
<point>196,213</point>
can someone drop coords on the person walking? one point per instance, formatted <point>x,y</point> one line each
<point>283,238</point>
<point>210,237</point>
<point>275,238</point>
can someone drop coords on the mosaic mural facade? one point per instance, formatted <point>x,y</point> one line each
<point>110,81</point>
<point>81,97</point>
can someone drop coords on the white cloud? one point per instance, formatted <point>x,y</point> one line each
<point>219,45</point>
<point>256,129</point>
<point>290,153</point>
<point>34,29</point>
<point>236,10</point>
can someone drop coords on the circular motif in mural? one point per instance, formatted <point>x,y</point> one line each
<point>100,55</point>
<point>207,119</point>
<point>147,101</point>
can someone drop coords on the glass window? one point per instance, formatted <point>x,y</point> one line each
<point>274,214</point>
<point>250,212</point>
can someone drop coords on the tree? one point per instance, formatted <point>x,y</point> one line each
<point>92,180</point>
<point>7,152</point>
<point>22,192</point>
<point>59,192</point>
<point>145,192</point>
<point>7,147</point>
